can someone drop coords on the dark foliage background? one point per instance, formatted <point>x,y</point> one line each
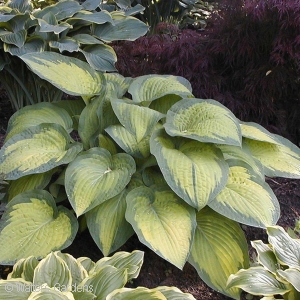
<point>247,58</point>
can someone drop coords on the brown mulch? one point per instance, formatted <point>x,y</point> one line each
<point>156,271</point>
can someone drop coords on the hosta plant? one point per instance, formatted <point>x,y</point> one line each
<point>80,30</point>
<point>149,159</point>
<point>61,276</point>
<point>277,270</point>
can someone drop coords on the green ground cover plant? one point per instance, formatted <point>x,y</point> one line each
<point>277,270</point>
<point>149,159</point>
<point>61,276</point>
<point>82,30</point>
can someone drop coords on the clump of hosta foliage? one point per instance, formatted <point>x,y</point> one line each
<point>61,276</point>
<point>277,271</point>
<point>79,30</point>
<point>149,159</point>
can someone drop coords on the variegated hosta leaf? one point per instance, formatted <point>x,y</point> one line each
<point>15,289</point>
<point>137,293</point>
<point>281,159</point>
<point>206,121</point>
<point>26,225</point>
<point>247,199</point>
<point>292,276</point>
<point>106,143</point>
<point>16,38</point>
<point>96,176</point>
<point>78,272</point>
<point>87,263</point>
<point>173,293</point>
<point>100,17</point>
<point>219,249</point>
<point>266,256</point>
<point>164,103</point>
<point>100,57</point>
<point>107,224</point>
<point>257,281</point>
<point>255,131</point>
<point>29,182</point>
<point>162,221</point>
<point>50,293</point>
<point>36,114</point>
<point>151,87</point>
<point>24,268</point>
<point>243,154</point>
<point>119,82</point>
<point>71,75</point>
<point>139,121</point>
<point>195,171</point>
<point>106,280</point>
<point>128,142</point>
<point>286,249</point>
<point>57,29</point>
<point>123,28</point>
<point>37,149</point>
<point>65,44</point>
<point>122,260</point>
<point>53,271</point>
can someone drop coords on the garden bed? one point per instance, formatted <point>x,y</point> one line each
<point>155,270</point>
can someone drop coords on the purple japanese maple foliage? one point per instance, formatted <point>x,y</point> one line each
<point>248,58</point>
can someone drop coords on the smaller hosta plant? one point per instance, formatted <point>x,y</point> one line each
<point>277,270</point>
<point>150,159</point>
<point>61,276</point>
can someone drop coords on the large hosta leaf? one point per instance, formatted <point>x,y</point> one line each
<point>292,276</point>
<point>281,159</point>
<point>120,83</point>
<point>37,149</point>
<point>124,28</point>
<point>257,281</point>
<point>30,219</point>
<point>151,87</point>
<point>137,293</point>
<point>195,171</point>
<point>286,249</point>
<point>69,74</point>
<point>247,199</point>
<point>139,121</point>
<point>162,221</point>
<point>173,293</point>
<point>37,114</point>
<point>107,224</point>
<point>203,120</point>
<point>219,249</point>
<point>96,176</point>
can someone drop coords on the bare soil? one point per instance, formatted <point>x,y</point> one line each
<point>155,270</point>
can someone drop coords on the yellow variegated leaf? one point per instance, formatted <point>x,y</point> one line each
<point>36,114</point>
<point>96,176</point>
<point>71,75</point>
<point>206,121</point>
<point>219,249</point>
<point>281,159</point>
<point>137,293</point>
<point>30,219</point>
<point>195,171</point>
<point>162,221</point>
<point>151,87</point>
<point>37,149</point>
<point>247,199</point>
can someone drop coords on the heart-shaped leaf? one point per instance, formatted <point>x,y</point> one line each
<point>219,249</point>
<point>96,176</point>
<point>162,221</point>
<point>195,171</point>
<point>247,199</point>
<point>206,121</point>
<point>26,225</point>
<point>37,149</point>
<point>107,224</point>
<point>36,114</point>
